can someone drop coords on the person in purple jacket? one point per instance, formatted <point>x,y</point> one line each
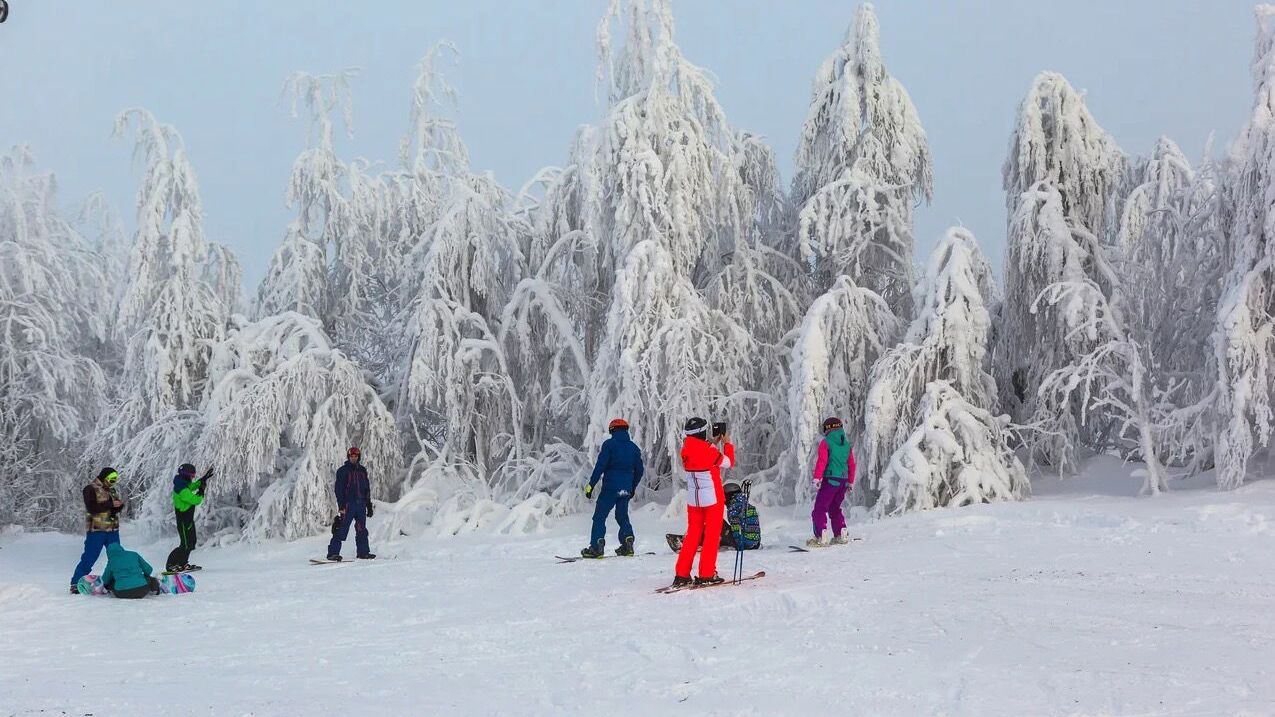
<point>354,498</point>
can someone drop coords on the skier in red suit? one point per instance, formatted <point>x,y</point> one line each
<point>705,501</point>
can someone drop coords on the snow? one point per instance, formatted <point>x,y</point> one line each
<point>1084,600</point>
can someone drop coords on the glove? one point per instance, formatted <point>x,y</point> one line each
<point>336,524</point>
<point>588,491</point>
<point>369,510</point>
<point>207,474</point>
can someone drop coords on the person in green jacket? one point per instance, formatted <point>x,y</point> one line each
<point>188,492</point>
<point>127,574</point>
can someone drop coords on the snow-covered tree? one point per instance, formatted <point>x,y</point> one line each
<point>313,271</point>
<point>1060,178</point>
<point>1245,333</point>
<point>282,407</point>
<point>931,436</point>
<point>51,389</point>
<point>842,335</point>
<point>1174,268</point>
<point>170,314</point>
<point>862,163</point>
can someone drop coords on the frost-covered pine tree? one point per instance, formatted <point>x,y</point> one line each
<point>862,163</point>
<point>1061,175</point>
<point>931,435</point>
<point>51,388</point>
<point>1245,332</point>
<point>843,333</point>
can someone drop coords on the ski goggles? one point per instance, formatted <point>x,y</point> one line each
<point>111,478</point>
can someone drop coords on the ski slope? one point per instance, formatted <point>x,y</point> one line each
<point>1082,601</point>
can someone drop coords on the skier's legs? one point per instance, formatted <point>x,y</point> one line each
<point>823,500</point>
<point>606,501</point>
<point>838,518</point>
<point>360,531</point>
<point>334,545</point>
<point>622,517</point>
<point>186,537</point>
<point>712,538</point>
<point>694,533</point>
<point>94,543</point>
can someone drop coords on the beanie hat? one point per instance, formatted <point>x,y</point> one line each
<point>831,423</point>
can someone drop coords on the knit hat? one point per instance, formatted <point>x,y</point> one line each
<point>695,426</point>
<point>831,423</point>
<point>353,452</point>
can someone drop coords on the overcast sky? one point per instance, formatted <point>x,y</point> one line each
<point>214,70</point>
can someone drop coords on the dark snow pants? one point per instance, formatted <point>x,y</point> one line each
<point>354,513</point>
<point>186,535</point>
<point>608,500</point>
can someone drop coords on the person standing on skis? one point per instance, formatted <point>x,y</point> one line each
<point>188,492</point>
<point>102,507</point>
<point>833,476</point>
<point>620,469</point>
<point>354,498</point>
<point>705,501</point>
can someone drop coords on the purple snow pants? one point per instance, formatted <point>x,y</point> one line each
<point>828,503</point>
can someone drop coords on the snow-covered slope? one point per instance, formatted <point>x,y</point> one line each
<point>1081,601</point>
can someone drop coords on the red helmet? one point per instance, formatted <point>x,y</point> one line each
<point>353,452</point>
<point>617,424</point>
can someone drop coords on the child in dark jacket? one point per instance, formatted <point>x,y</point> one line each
<point>127,574</point>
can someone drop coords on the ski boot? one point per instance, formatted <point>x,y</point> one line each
<point>335,557</point>
<point>715,580</point>
<point>595,550</point>
<point>627,548</point>
<point>839,540</point>
<point>367,556</point>
<point>814,543</point>
<point>680,582</point>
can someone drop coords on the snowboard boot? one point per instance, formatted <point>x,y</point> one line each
<point>334,558</point>
<point>594,551</point>
<point>75,590</point>
<point>814,543</point>
<point>680,582</point>
<point>367,556</point>
<point>191,567</point>
<point>627,548</point>
<point>715,580</point>
<point>839,540</point>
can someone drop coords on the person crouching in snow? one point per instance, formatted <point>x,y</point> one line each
<point>354,499</point>
<point>833,476</point>
<point>705,501</point>
<point>127,574</point>
<point>620,469</point>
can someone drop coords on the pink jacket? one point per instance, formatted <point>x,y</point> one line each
<point>821,462</point>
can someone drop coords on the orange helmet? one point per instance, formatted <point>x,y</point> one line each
<point>617,424</point>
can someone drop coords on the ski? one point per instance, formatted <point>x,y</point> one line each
<point>670,589</point>
<point>564,559</point>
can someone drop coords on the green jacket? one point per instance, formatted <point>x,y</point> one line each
<point>125,568</point>
<point>187,493</point>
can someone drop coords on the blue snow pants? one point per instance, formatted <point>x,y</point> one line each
<point>95,541</point>
<point>607,500</point>
<point>354,513</point>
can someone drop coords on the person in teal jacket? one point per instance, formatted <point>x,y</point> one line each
<point>188,492</point>
<point>127,574</point>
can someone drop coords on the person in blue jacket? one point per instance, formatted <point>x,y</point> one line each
<point>620,469</point>
<point>354,499</point>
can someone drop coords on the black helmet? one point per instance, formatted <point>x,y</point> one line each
<point>186,469</point>
<point>731,488</point>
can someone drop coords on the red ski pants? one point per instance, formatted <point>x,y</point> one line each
<point>701,524</point>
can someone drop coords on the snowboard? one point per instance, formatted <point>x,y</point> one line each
<point>564,559</point>
<point>182,572</point>
<point>174,584</point>
<point>316,561</point>
<point>807,549</point>
<point>670,589</point>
